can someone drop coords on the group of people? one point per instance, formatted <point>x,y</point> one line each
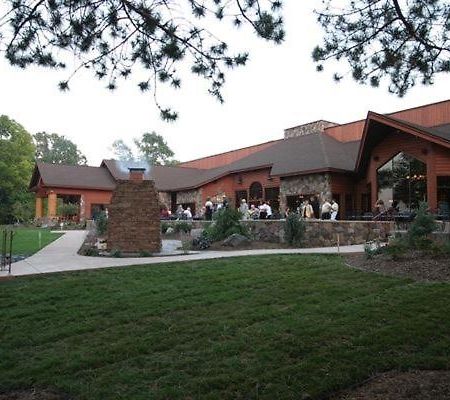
<point>263,211</point>
<point>311,209</point>
<point>308,209</point>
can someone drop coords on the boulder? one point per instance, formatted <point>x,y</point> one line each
<point>235,240</point>
<point>196,233</point>
<point>170,231</point>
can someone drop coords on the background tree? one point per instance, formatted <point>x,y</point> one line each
<point>16,165</point>
<point>150,147</point>
<point>403,41</point>
<point>122,151</point>
<point>115,37</point>
<point>56,149</point>
<point>154,149</point>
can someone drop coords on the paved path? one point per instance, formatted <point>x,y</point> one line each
<point>61,255</point>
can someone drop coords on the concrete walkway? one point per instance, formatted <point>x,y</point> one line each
<point>61,255</point>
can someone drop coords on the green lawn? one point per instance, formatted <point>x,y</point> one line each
<point>272,327</point>
<point>26,240</point>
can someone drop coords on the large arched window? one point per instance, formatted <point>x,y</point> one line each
<point>403,179</point>
<point>256,191</point>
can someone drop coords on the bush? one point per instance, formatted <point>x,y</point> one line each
<point>294,230</point>
<point>101,223</point>
<point>372,248</point>
<point>227,222</point>
<point>116,253</point>
<point>203,242</point>
<point>164,227</point>
<point>397,248</point>
<point>423,225</point>
<point>90,251</point>
<point>68,209</point>
<point>182,226</point>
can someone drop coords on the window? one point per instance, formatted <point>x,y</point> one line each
<point>256,192</point>
<point>403,179</point>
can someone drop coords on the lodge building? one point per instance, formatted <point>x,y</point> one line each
<point>402,156</point>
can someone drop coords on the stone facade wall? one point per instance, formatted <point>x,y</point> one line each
<point>133,220</point>
<point>191,196</point>
<point>165,199</point>
<point>318,233</point>
<point>307,129</point>
<point>317,184</point>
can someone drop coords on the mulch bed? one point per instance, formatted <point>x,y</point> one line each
<point>33,394</point>
<point>414,265</point>
<point>413,385</point>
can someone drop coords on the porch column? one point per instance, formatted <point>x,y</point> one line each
<point>39,208</point>
<point>82,208</point>
<point>52,203</point>
<point>431,180</point>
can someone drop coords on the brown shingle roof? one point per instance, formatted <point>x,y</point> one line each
<point>80,176</point>
<point>314,152</point>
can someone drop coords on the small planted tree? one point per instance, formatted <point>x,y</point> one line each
<point>227,222</point>
<point>101,224</point>
<point>423,225</point>
<point>294,230</point>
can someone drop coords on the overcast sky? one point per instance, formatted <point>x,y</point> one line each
<point>279,88</point>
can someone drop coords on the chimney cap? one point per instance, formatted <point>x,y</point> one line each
<point>136,169</point>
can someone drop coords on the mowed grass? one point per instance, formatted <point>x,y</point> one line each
<point>26,240</point>
<point>272,327</point>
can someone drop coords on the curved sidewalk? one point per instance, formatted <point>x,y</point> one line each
<point>61,255</point>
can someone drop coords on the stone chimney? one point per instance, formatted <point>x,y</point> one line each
<point>137,174</point>
<point>308,129</point>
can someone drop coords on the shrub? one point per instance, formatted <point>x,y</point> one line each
<point>423,225</point>
<point>227,222</point>
<point>371,249</point>
<point>294,230</point>
<point>203,242</point>
<point>101,223</point>
<point>116,253</point>
<point>182,226</point>
<point>145,253</point>
<point>90,251</point>
<point>68,209</point>
<point>397,248</point>
<point>164,227</point>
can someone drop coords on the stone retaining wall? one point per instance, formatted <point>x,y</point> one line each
<point>318,233</point>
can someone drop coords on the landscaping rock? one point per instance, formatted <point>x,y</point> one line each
<point>196,233</point>
<point>170,231</point>
<point>235,240</point>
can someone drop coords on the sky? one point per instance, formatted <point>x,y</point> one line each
<point>277,89</point>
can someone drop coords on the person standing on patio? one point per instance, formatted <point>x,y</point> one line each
<point>334,210</point>
<point>326,210</point>
<point>243,208</point>
<point>208,209</point>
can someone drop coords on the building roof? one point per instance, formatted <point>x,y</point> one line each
<point>311,153</point>
<point>68,176</point>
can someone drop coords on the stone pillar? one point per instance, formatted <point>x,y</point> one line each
<point>52,204</point>
<point>82,208</point>
<point>39,208</point>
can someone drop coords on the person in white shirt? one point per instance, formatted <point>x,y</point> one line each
<point>243,208</point>
<point>326,210</point>
<point>334,210</point>
<point>268,211</point>
<point>187,213</point>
